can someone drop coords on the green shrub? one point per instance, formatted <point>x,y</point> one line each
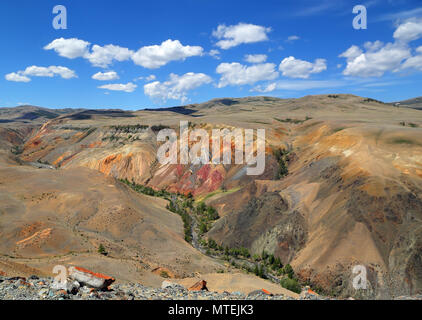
<point>403,141</point>
<point>288,270</point>
<point>102,250</point>
<point>372,100</point>
<point>256,270</point>
<point>277,264</point>
<point>157,128</point>
<point>212,244</point>
<point>291,284</point>
<point>17,150</point>
<point>261,272</point>
<point>256,257</point>
<point>281,155</point>
<point>212,214</point>
<point>245,252</point>
<point>129,128</point>
<point>271,259</point>
<point>203,228</point>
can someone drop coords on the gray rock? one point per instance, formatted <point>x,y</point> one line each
<point>89,278</point>
<point>170,285</point>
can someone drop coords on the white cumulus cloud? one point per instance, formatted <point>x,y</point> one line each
<point>156,56</point>
<point>296,68</point>
<point>128,87</point>
<point>376,63</point>
<point>372,46</point>
<point>409,31</point>
<point>16,77</point>
<point>380,58</point>
<point>215,54</point>
<point>414,62</point>
<point>104,56</point>
<point>352,53</point>
<point>36,71</point>
<point>69,48</point>
<point>99,56</point>
<point>151,57</point>
<point>151,77</point>
<point>238,74</point>
<point>105,76</point>
<point>51,71</point>
<point>255,58</point>
<point>232,36</point>
<point>176,87</point>
<point>293,38</point>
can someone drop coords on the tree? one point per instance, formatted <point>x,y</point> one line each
<point>212,213</point>
<point>261,272</point>
<point>291,284</point>
<point>289,271</point>
<point>245,252</point>
<point>212,244</point>
<point>271,259</point>
<point>201,208</point>
<point>203,228</point>
<point>102,250</point>
<point>256,257</point>
<point>277,264</point>
<point>256,270</point>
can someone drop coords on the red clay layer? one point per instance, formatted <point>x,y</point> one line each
<point>98,275</point>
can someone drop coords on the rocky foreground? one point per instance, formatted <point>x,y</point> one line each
<point>34,288</point>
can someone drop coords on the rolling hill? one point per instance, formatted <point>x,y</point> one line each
<point>352,193</point>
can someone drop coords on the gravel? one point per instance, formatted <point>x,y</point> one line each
<point>35,288</point>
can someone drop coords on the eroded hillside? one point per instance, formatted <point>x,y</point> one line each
<point>351,194</point>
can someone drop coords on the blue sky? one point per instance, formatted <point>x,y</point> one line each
<point>166,53</point>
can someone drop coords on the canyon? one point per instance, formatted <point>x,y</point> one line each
<point>342,186</point>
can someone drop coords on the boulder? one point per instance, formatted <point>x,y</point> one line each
<point>89,278</point>
<point>166,284</point>
<point>73,287</point>
<point>260,292</point>
<point>199,286</point>
<point>171,285</point>
<point>308,294</point>
<point>70,286</point>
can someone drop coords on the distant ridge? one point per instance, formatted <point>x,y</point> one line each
<point>415,103</point>
<point>28,113</point>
